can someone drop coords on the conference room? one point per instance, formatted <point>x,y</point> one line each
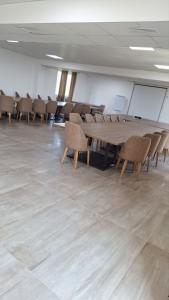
<point>84,131</point>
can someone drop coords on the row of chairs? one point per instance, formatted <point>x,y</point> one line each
<point>27,106</point>
<point>89,118</point>
<point>141,150</point>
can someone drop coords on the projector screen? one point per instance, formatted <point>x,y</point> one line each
<point>146,101</point>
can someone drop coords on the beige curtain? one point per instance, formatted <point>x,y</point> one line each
<point>72,86</point>
<point>62,87</point>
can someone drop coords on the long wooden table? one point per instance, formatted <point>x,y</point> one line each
<point>113,135</point>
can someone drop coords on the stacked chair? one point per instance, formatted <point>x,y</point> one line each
<point>89,118</point>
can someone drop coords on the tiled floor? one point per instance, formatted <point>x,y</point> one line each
<point>80,234</point>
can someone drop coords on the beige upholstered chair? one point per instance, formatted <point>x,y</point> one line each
<point>51,107</point>
<point>99,118</point>
<point>155,140</point>
<point>24,106</point>
<point>134,150</point>
<point>78,107</point>
<point>89,118</point>
<point>114,118</point>
<point>75,118</point>
<point>76,140</point>
<point>66,110</point>
<point>6,105</point>
<point>107,118</point>
<point>85,109</point>
<point>161,145</point>
<point>39,107</point>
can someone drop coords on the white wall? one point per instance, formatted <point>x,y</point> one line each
<point>100,89</point>
<point>46,82</point>
<point>17,73</point>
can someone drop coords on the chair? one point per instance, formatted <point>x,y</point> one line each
<point>85,109</point>
<point>166,148</point>
<point>78,107</point>
<point>66,110</point>
<point>161,145</point>
<point>39,107</point>
<point>24,106</point>
<point>6,105</point>
<point>107,118</point>
<point>75,118</point>
<point>155,140</point>
<point>114,118</point>
<point>99,118</point>
<point>89,118</point>
<point>134,150</point>
<point>76,140</point>
<point>51,107</point>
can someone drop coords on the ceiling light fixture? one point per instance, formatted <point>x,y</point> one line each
<point>54,56</point>
<point>142,48</point>
<point>162,67</point>
<point>12,41</point>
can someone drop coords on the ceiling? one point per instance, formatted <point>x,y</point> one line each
<point>15,1</point>
<point>102,44</point>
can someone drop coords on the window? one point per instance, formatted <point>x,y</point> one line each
<point>59,73</point>
<point>68,83</point>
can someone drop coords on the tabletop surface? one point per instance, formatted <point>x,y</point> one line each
<point>117,133</point>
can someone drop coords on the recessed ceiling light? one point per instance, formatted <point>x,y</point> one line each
<point>142,48</point>
<point>12,41</point>
<point>162,67</point>
<point>54,56</point>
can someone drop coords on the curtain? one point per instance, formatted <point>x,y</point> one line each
<point>72,86</point>
<point>61,95</point>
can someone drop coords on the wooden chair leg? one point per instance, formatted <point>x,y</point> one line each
<point>28,117</point>
<point>20,116</point>
<point>157,157</point>
<point>124,168</point>
<point>148,163</point>
<point>76,158</point>
<point>34,116</point>
<point>88,157</point>
<point>165,154</point>
<point>138,168</point>
<point>64,154</point>
<point>118,162</point>
<point>41,118</point>
<point>0,115</point>
<point>9,118</point>
<point>47,117</point>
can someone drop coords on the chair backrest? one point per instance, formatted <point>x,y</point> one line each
<point>107,118</point>
<point>114,118</point>
<point>6,103</point>
<point>85,109</point>
<point>78,108</point>
<point>136,149</point>
<point>75,118</point>
<point>155,140</point>
<point>74,137</point>
<point>51,107</point>
<point>25,105</point>
<point>89,118</point>
<point>99,118</point>
<point>67,108</point>
<point>163,141</point>
<point>39,106</point>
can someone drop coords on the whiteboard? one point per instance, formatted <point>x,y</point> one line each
<point>146,101</point>
<point>120,103</point>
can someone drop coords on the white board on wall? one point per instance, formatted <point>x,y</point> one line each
<point>146,101</point>
<point>120,103</point>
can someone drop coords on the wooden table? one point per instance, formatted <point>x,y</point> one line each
<point>113,134</point>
